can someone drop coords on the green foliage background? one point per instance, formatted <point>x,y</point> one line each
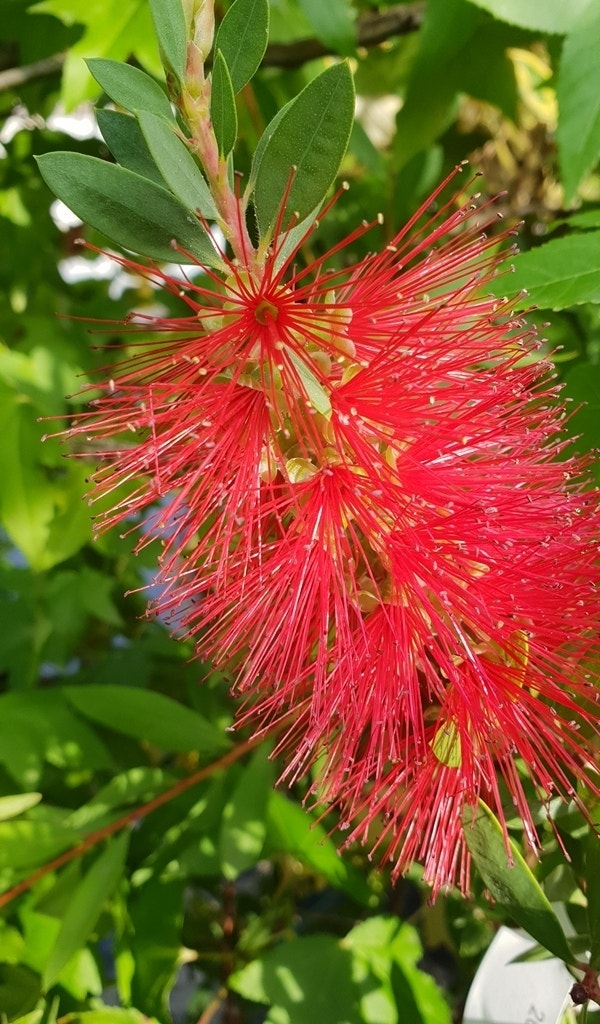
<point>226,885</point>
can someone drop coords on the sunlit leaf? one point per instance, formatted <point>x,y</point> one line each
<point>511,883</point>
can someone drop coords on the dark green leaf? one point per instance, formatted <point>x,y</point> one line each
<point>124,138</point>
<point>592,875</point>
<point>222,106</point>
<point>176,164</point>
<point>583,389</point>
<point>20,989</point>
<point>129,87</point>
<point>446,47</point>
<point>130,210</point>
<point>264,141</point>
<point>311,138</point>
<point>242,39</point>
<point>333,24</point>
<point>148,716</point>
<point>244,827</point>
<point>549,16</point>
<point>513,885</point>
<point>156,913</point>
<point>578,95</point>
<point>563,272</point>
<point>307,980</point>
<point>86,905</point>
<point>169,22</point>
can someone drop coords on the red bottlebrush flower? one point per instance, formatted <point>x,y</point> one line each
<point>368,513</point>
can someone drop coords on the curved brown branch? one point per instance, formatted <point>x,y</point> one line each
<point>373,28</point>
<point>14,78</point>
<point>128,819</point>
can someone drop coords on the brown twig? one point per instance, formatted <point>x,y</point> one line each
<point>100,834</point>
<point>373,28</point>
<point>13,78</point>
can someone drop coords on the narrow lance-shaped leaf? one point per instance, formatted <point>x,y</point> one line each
<point>513,885</point>
<point>169,22</point>
<point>124,138</point>
<point>147,716</point>
<point>176,164</point>
<point>244,826</point>
<point>592,874</point>
<point>12,806</point>
<point>308,143</point>
<point>222,106</point>
<point>130,210</point>
<point>86,906</point>
<point>242,39</point>
<point>129,87</point>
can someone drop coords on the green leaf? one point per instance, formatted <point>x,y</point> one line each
<point>583,389</point>
<point>578,95</point>
<point>26,843</point>
<point>305,981</point>
<point>85,908</point>
<point>290,829</point>
<point>123,136</point>
<point>333,24</point>
<point>263,143</point>
<point>39,727</point>
<point>20,990</point>
<point>446,744</point>
<point>137,785</point>
<point>116,29</point>
<point>156,914</point>
<point>149,716</point>
<point>242,39</point>
<point>176,164</point>
<point>586,219</point>
<point>386,953</point>
<point>460,51</point>
<point>12,806</point>
<point>563,272</point>
<point>107,1015</point>
<point>554,16</point>
<point>311,137</point>
<point>513,885</point>
<point>41,511</point>
<point>592,875</point>
<point>169,21</point>
<point>244,826</point>
<point>130,210</point>
<point>315,392</point>
<point>129,87</point>
<point>222,106</point>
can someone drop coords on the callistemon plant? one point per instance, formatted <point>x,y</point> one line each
<point>368,509</point>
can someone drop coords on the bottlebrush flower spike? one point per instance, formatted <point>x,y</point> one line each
<point>368,514</point>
